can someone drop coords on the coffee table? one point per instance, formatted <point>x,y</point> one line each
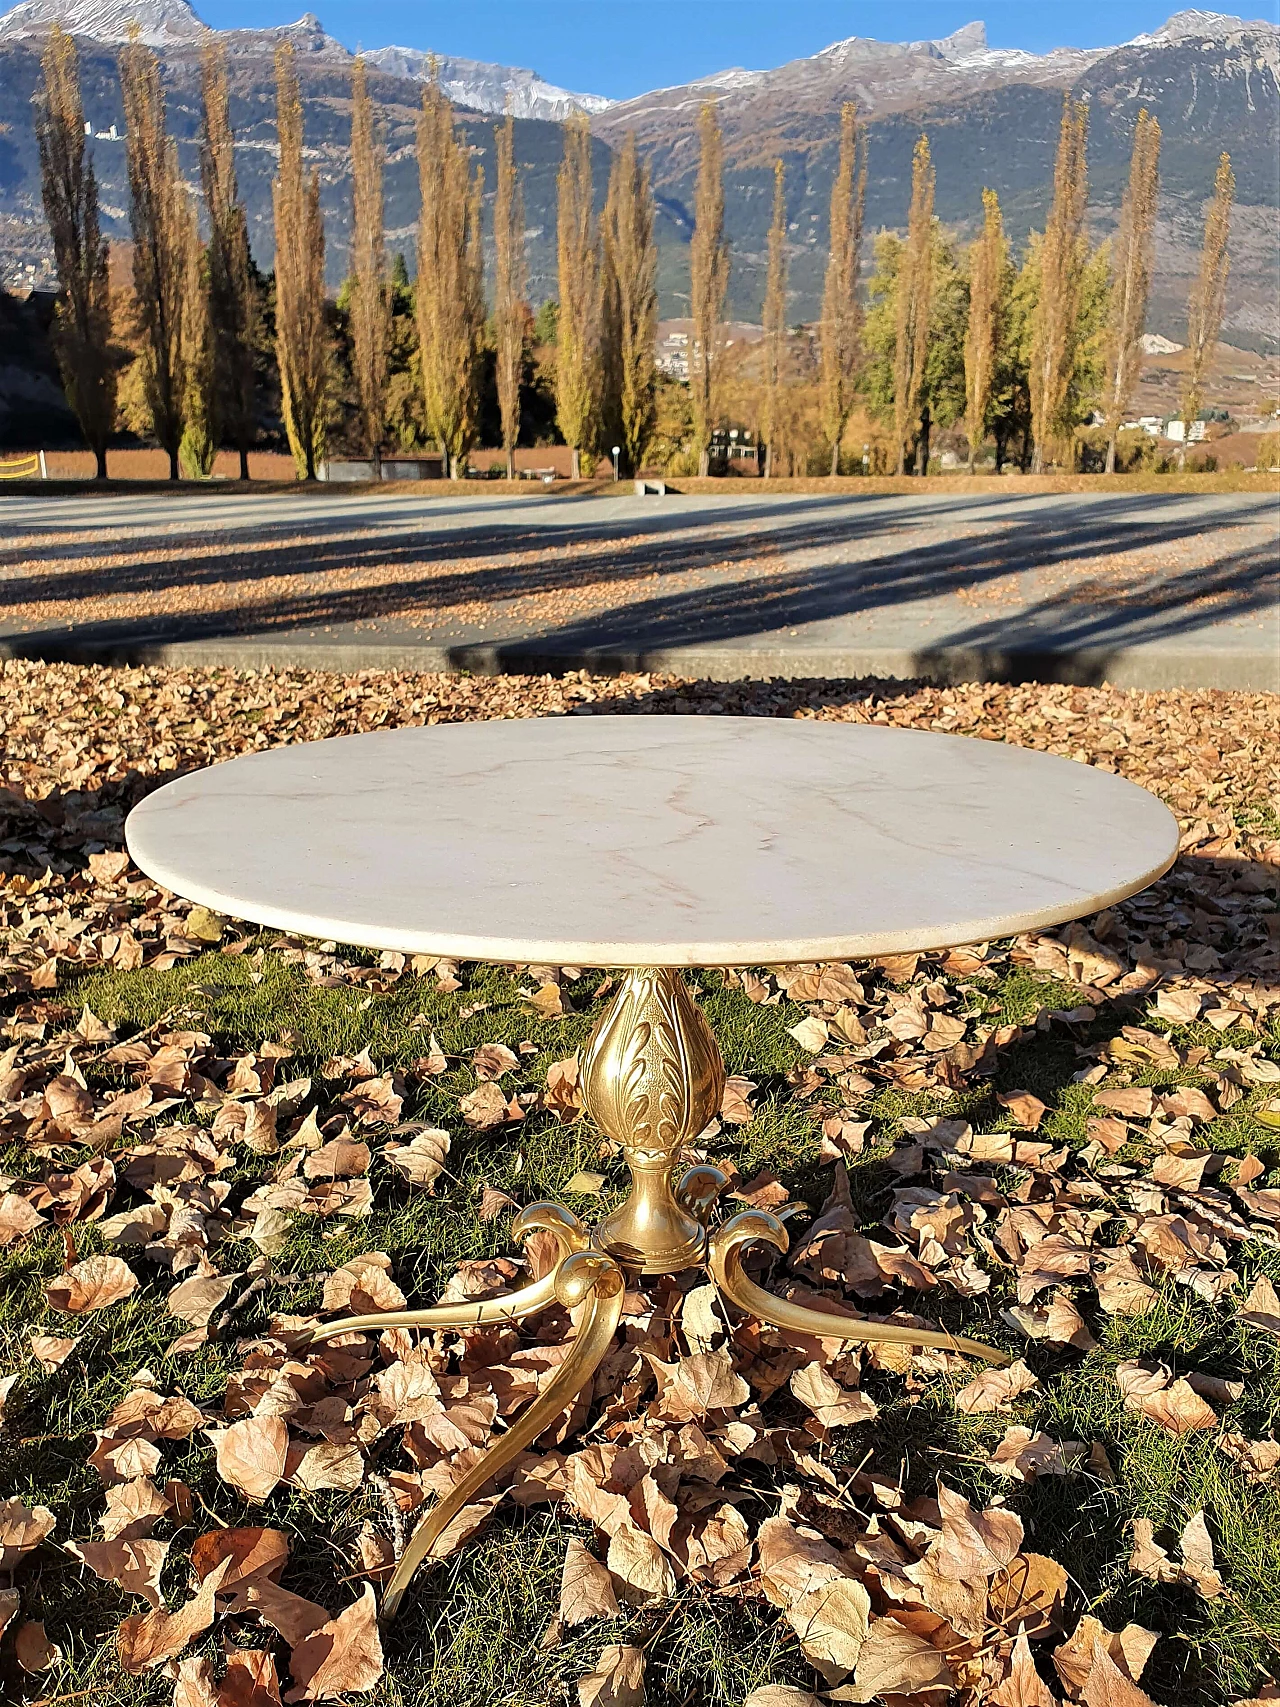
<point>648,844</point>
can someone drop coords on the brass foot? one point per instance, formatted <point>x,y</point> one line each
<point>724,1259</point>
<point>553,1218</point>
<point>587,1278</point>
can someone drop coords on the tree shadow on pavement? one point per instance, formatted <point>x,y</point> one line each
<point>754,574</point>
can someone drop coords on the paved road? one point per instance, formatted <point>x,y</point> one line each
<point>1144,590</point>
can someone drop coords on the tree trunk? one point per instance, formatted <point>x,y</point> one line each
<point>835,456</point>
<point>1025,460</point>
<point>1000,449</point>
<point>511,462</point>
<point>311,463</point>
<point>704,464</point>
<point>244,463</point>
<point>173,465</point>
<point>768,462</point>
<point>1111,455</point>
<point>577,465</point>
<point>100,457</point>
<point>902,459</point>
<point>922,445</point>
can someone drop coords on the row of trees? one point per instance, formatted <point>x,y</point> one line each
<point>1015,352</point>
<point>1022,353</point>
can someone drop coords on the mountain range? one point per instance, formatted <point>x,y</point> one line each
<point>991,114</point>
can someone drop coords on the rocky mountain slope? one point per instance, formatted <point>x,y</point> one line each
<point>992,115</point>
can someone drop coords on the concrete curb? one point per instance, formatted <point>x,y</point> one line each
<point>1248,669</point>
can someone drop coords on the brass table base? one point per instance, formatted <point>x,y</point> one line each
<point>651,1078</point>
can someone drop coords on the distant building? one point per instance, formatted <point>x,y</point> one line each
<point>675,345</point>
<point>733,451</point>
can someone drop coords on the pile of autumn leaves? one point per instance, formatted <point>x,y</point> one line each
<point>886,1595</point>
<point>146,1137</point>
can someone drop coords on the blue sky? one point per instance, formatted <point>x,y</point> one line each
<point>623,47</point>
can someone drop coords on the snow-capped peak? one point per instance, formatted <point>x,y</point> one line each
<point>161,23</point>
<point>487,88</point>
<point>1209,26</point>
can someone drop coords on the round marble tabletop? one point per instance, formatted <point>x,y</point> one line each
<point>653,841</point>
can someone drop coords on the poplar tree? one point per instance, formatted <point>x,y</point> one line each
<point>912,304</point>
<point>775,318</point>
<point>1208,294</point>
<point>82,320</point>
<point>1063,255</point>
<point>450,285</point>
<point>234,305</point>
<point>158,218</point>
<point>301,340</point>
<point>1131,278</point>
<point>370,301</point>
<point>578,351</point>
<point>510,310</point>
<point>709,282</point>
<point>198,448</point>
<point>631,267</point>
<point>841,312</point>
<point>987,263</point>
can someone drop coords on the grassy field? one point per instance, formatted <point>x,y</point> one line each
<point>481,1628</point>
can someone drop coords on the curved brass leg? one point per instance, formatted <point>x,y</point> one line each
<point>724,1259</point>
<point>699,1188</point>
<point>586,1277</point>
<point>537,1218</point>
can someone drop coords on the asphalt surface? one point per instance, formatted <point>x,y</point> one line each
<point>1140,590</point>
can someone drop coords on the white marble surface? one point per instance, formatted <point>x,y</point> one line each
<point>631,841</point>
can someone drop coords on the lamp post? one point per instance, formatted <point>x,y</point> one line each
<point>617,452</point>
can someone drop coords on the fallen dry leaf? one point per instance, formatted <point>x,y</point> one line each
<point>344,1654</point>
<point>250,1680</point>
<point>90,1285</point>
<point>134,1565</point>
<point>193,1684</point>
<point>251,1454</point>
<point>1027,1110</point>
<point>362,1287</point>
<point>51,1351</point>
<point>616,1681</point>
<point>832,1622</point>
<point>586,1589</point>
<point>1023,1686</point>
<point>811,1033</point>
<point>1259,1459</point>
<point>32,1648</point>
<point>22,1528</point>
<point>1130,1649</point>
<point>150,1639</point>
<point>995,1389</point>
<point>896,1661</point>
<point>254,1554</point>
<point>1261,1309</point>
<point>1107,1686</point>
<point>195,1300</point>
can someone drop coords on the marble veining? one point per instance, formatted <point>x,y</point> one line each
<point>634,841</point>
